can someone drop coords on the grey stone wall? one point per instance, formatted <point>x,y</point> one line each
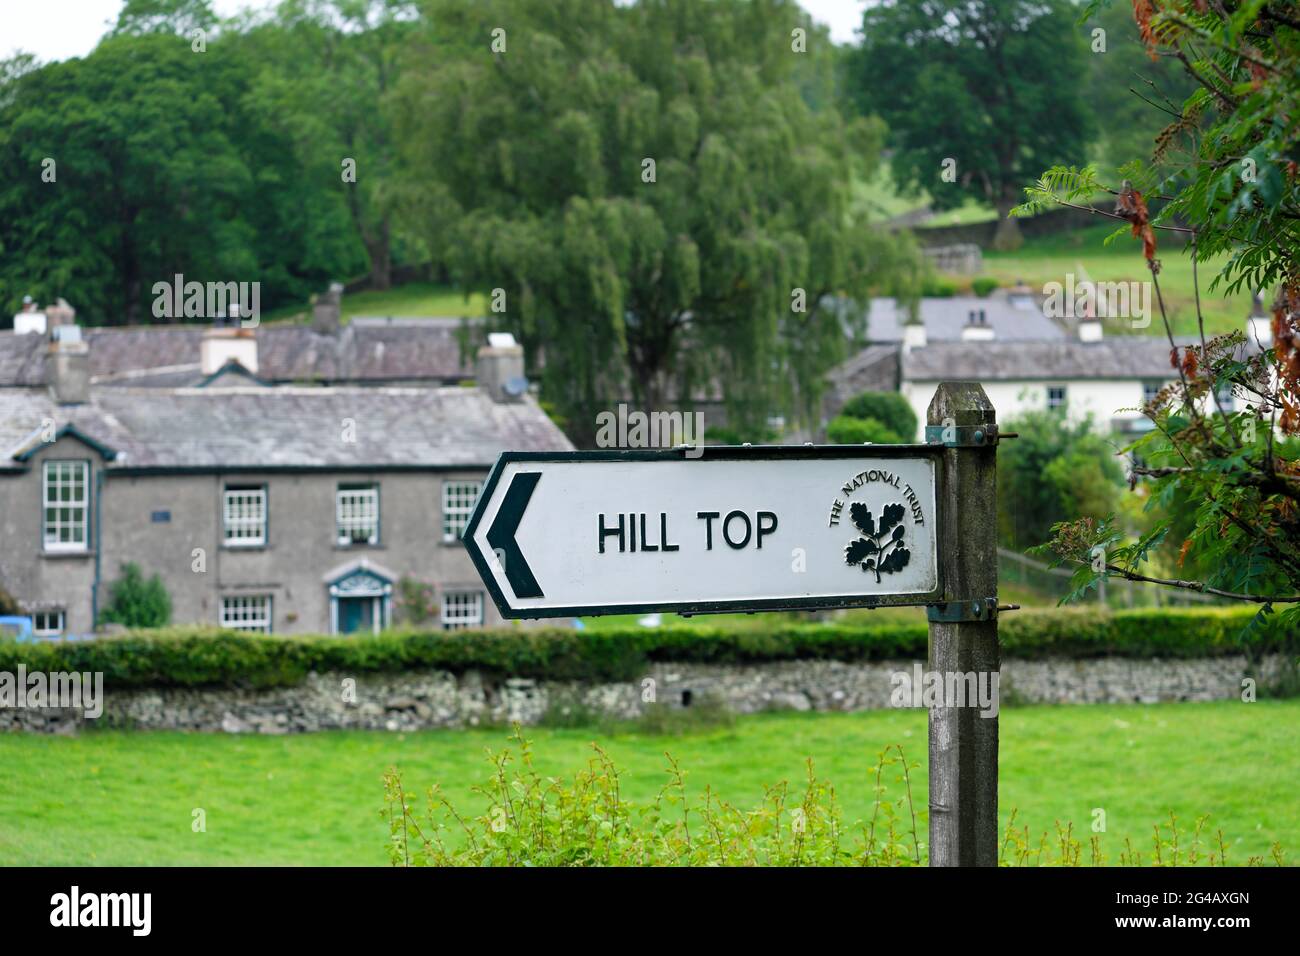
<point>427,699</point>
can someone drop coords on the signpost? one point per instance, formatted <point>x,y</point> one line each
<point>778,528</point>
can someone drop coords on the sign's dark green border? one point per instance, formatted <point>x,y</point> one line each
<point>728,452</point>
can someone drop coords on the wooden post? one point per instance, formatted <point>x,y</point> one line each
<point>964,632</point>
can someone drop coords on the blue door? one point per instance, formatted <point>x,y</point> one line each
<point>356,614</point>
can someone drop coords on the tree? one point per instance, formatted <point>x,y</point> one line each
<point>141,161</point>
<point>1233,190</point>
<point>324,82</point>
<point>122,170</point>
<point>135,602</point>
<point>644,195</point>
<point>1122,83</point>
<point>165,16</point>
<point>979,95</point>
<point>1054,470</point>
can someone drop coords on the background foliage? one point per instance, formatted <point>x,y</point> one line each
<point>190,656</point>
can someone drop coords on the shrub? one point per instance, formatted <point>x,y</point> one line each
<point>889,408</point>
<point>725,435</point>
<point>1054,471</point>
<point>532,820</point>
<point>983,285</point>
<point>536,820</point>
<point>844,430</point>
<point>936,287</point>
<point>135,602</point>
<point>416,602</point>
<point>190,656</point>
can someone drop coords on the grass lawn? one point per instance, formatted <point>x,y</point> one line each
<point>413,299</point>
<point>126,798</point>
<point>1048,259</point>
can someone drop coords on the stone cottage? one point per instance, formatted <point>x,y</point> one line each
<point>266,507</point>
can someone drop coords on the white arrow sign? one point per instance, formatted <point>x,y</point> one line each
<point>580,533</point>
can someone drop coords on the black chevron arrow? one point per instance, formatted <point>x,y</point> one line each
<point>501,536</point>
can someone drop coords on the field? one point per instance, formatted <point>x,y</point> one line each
<point>127,798</point>
<point>1083,253</point>
<point>413,299</point>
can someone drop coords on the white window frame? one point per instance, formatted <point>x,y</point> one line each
<point>49,623</point>
<point>456,507</point>
<point>243,522</point>
<point>351,501</point>
<point>247,612</point>
<point>1065,397</point>
<point>462,609</point>
<point>72,505</point>
<point>1152,387</point>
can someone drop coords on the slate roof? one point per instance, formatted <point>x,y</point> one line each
<point>372,350</point>
<point>945,318</point>
<point>286,427</point>
<point>1118,357</point>
<point>874,369</point>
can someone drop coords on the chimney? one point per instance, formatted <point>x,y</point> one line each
<point>501,368</point>
<point>29,319</point>
<point>227,341</point>
<point>67,363</point>
<point>977,328</point>
<point>1021,296</point>
<point>913,335</point>
<point>326,309</point>
<point>1259,324</point>
<point>1090,329</point>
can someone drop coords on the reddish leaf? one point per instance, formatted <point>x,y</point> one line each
<point>1143,11</point>
<point>1131,206</point>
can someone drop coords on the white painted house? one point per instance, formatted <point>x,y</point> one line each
<point>1025,361</point>
<point>1106,379</point>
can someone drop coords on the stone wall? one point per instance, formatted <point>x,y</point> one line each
<point>426,699</point>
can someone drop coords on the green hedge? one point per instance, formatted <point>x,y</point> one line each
<point>196,656</point>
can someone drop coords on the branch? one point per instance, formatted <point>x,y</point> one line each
<point>1281,484</point>
<point>1223,98</point>
<point>1111,215</point>
<point>1200,324</point>
<point>1202,587</point>
<point>1270,14</point>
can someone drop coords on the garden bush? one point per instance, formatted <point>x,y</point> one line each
<point>935,287</point>
<point>889,408</point>
<point>844,430</point>
<point>136,602</point>
<point>195,656</point>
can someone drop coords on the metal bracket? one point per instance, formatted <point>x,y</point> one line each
<point>956,612</point>
<point>962,436</point>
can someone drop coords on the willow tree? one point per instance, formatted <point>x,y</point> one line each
<point>646,197</point>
